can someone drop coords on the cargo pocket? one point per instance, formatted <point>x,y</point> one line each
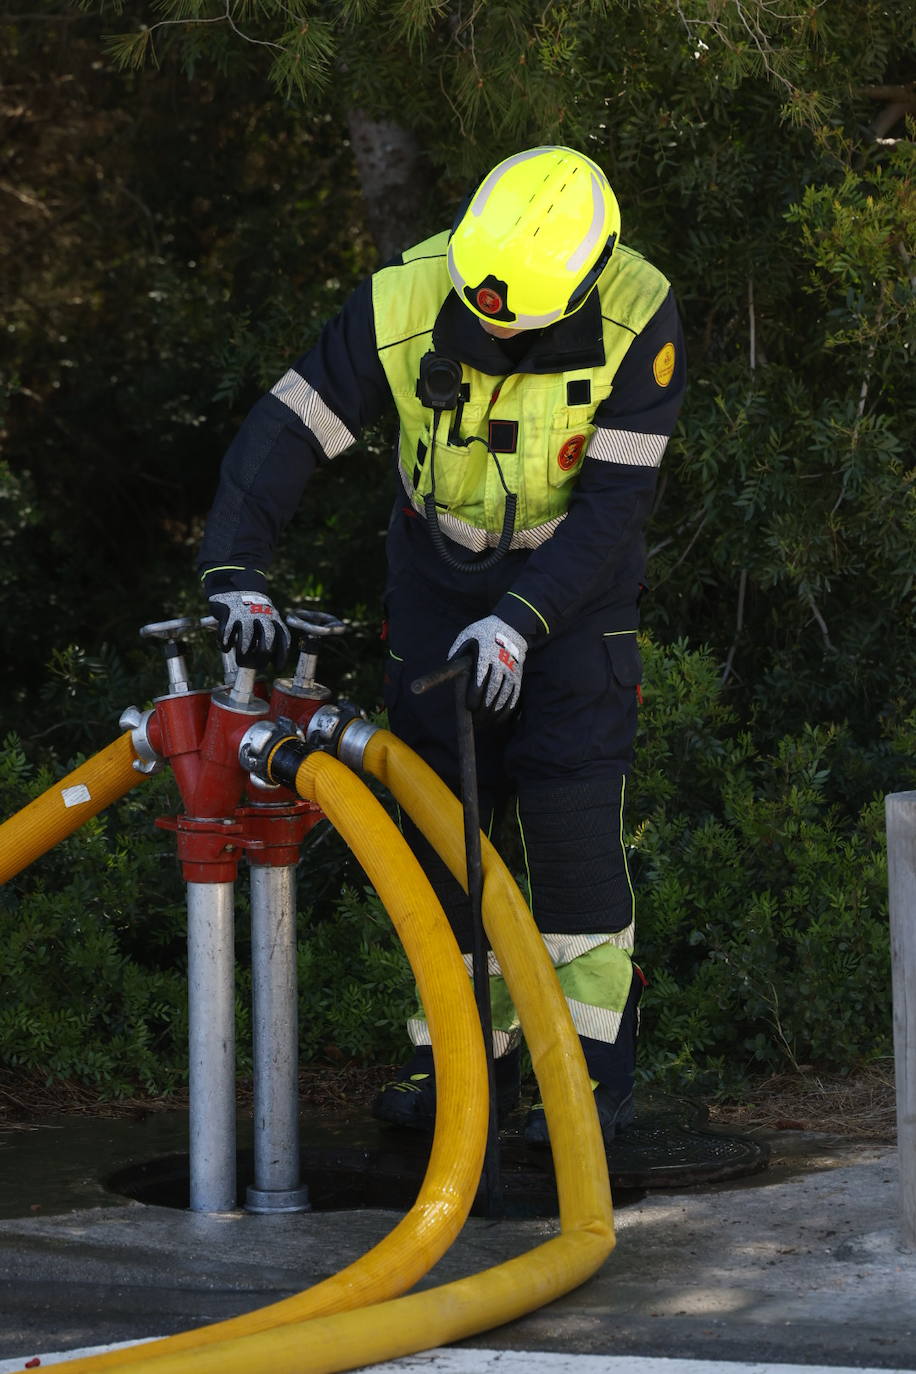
<point>625,677</point>
<point>626,660</point>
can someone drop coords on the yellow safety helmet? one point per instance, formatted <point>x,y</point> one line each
<point>535,237</point>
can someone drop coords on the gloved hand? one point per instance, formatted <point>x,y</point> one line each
<point>250,623</point>
<point>496,678</point>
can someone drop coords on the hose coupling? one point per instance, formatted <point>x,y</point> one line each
<point>137,722</point>
<point>340,730</point>
<point>259,744</point>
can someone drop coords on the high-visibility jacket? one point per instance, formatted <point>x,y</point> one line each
<point>582,415</point>
<point>538,426</point>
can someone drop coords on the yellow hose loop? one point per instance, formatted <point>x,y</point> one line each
<point>61,810</point>
<point>348,1340</point>
<point>462,1105</point>
<point>578,1149</point>
<point>421,1321</point>
<point>454,1311</point>
<point>456,1158</point>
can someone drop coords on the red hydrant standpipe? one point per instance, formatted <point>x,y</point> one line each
<point>228,815</point>
<point>199,734</point>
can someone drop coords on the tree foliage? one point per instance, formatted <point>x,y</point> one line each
<point>186,200</point>
<point>740,138</point>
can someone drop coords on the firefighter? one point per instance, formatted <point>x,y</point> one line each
<point>536,366</point>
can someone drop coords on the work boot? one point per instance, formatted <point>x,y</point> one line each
<point>616,1111</point>
<point>409,1101</point>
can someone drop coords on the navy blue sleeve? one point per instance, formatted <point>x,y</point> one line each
<point>314,412</point>
<point>647,397</point>
<point>615,488</point>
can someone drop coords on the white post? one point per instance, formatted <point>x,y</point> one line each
<point>900,814</point>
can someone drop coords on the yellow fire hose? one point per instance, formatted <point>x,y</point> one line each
<point>447,1193</point>
<point>63,808</point>
<point>579,1157</point>
<point>438,1316</point>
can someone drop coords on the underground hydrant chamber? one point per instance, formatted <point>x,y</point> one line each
<point>356,1163</point>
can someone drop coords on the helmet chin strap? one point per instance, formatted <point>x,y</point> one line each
<point>588,281</point>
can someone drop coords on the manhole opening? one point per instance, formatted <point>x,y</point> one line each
<point>336,1184</point>
<point>667,1148</point>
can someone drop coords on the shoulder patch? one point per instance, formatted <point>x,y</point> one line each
<point>663,364</point>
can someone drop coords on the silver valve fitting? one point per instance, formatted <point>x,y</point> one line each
<point>342,731</point>
<point>230,666</point>
<point>257,745</point>
<point>137,722</point>
<point>240,681</point>
<point>310,627</point>
<point>170,631</point>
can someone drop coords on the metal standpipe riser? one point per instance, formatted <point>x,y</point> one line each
<point>211,1046</point>
<point>276,1042</point>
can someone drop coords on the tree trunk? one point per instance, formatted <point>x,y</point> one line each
<point>391,171</point>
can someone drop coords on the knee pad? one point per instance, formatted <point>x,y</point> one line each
<point>572,834</point>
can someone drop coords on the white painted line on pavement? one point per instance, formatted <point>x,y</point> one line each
<point>449,1361</point>
<point>14,1366</point>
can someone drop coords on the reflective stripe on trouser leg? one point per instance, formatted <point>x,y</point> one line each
<point>615,1063</point>
<point>506,1029</point>
<point>507,1032</point>
<point>596,984</point>
<point>582,900</point>
<point>581,894</point>
<point>602,991</point>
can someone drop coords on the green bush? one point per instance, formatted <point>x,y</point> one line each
<point>356,988</point>
<point>760,876</point>
<point>762,918</point>
<point>92,986</point>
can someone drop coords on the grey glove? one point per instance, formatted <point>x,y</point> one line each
<point>496,678</point>
<point>250,623</point>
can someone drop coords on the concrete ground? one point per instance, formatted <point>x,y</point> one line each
<point>803,1263</point>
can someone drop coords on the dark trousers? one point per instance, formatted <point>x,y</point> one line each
<point>563,757</point>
